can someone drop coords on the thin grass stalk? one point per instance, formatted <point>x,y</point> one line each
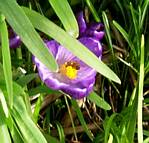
<point>93,11</point>
<point>140,93</point>
<point>73,126</point>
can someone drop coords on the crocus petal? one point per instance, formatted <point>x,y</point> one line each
<point>53,47</point>
<point>14,42</point>
<point>81,23</point>
<point>78,93</point>
<point>96,26</point>
<point>95,31</point>
<point>94,34</point>
<point>93,45</point>
<point>14,39</point>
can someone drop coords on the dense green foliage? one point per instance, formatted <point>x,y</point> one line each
<point>115,112</point>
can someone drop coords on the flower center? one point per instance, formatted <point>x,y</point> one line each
<point>70,69</point>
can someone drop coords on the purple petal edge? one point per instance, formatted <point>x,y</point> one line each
<point>81,23</point>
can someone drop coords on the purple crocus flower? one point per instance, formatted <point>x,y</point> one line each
<point>14,39</point>
<point>73,77</point>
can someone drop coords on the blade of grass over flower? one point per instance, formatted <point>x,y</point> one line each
<point>6,59</point>
<point>48,27</point>
<point>126,36</point>
<point>92,9</point>
<point>98,101</point>
<point>140,93</point>
<point>4,134</point>
<point>64,12</point>
<point>81,119</point>
<point>22,26</point>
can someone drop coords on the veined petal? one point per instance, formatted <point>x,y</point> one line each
<point>63,55</point>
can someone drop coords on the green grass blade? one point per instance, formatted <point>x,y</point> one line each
<point>6,59</point>
<point>26,126</point>
<point>121,7</point>
<point>65,14</point>
<point>42,89</point>
<point>93,11</point>
<point>1,72</point>
<point>140,93</point>
<point>37,108</point>
<point>50,139</point>
<point>15,134</point>
<point>24,80</point>
<point>60,132</point>
<point>71,118</point>
<point>110,138</point>
<point>131,118</point>
<point>135,22</point>
<point>98,101</point>
<point>146,140</point>
<point>108,127</point>
<point>126,36</point>
<point>4,104</point>
<point>107,28</point>
<point>72,44</point>
<point>23,27</point>
<point>4,134</point>
<point>81,119</point>
<point>144,9</point>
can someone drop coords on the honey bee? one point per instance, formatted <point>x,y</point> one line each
<point>73,64</point>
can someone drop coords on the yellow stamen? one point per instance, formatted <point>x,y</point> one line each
<point>69,69</point>
<point>71,72</point>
